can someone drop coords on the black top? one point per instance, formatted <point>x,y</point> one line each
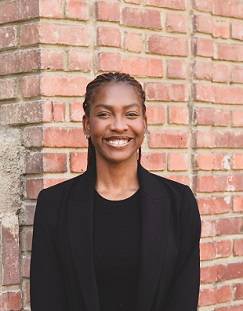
<point>116,245</point>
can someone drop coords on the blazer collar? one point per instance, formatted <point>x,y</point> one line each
<point>154,204</point>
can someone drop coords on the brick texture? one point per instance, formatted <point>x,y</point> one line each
<point>188,56</point>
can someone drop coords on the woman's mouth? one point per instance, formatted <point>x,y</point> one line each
<point>117,142</point>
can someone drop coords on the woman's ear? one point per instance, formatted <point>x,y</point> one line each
<point>85,122</point>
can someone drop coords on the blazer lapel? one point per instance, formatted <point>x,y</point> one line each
<point>154,204</point>
<point>80,229</point>
<point>155,220</point>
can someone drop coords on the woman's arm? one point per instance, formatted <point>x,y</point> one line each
<point>184,291</point>
<point>46,284</point>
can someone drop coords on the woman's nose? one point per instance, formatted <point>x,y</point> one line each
<point>119,124</point>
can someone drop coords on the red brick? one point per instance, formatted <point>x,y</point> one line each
<point>177,162</point>
<point>238,289</point>
<point>19,61</point>
<point>79,60</point>
<point>8,37</point>
<point>65,34</point>
<point>215,295</point>
<point>76,112</point>
<point>214,205</point>
<point>154,161</point>
<point>210,161</point>
<point>53,181</point>
<point>203,24</point>
<point>221,72</point>
<point>170,4</point>
<point>77,9</point>
<point>211,116</point>
<point>33,187</point>
<point>29,34</point>
<point>30,86</point>
<point>219,183</point>
<point>176,23</point>
<point>141,66</point>
<point>133,42</point>
<point>223,249</point>
<point>63,85</point>
<point>34,163</point>
<point>237,74</point>
<point>233,271</point>
<point>166,92</point>
<point>64,137</point>
<point>26,238</point>
<point>238,247</point>
<point>108,11</point>
<point>237,118</point>
<point>149,19</point>
<point>237,30</point>
<point>204,47</point>
<point>16,10</point>
<point>32,136</point>
<point>134,1</point>
<point>228,95</point>
<point>229,226</point>
<point>168,139</point>
<point>207,251</point>
<point>108,61</point>
<point>176,69</point>
<point>237,161</point>
<point>10,250</point>
<point>54,162</point>
<point>178,115</point>
<point>238,203</point>
<point>167,45</point>
<point>78,162</point>
<point>52,8</point>
<point>232,52</point>
<point>229,8</point>
<point>10,301</point>
<point>212,274</point>
<point>21,113</point>
<point>57,111</point>
<point>208,228</point>
<point>221,29</point>
<point>183,179</point>
<point>155,114</point>
<point>108,36</point>
<point>203,92</point>
<point>203,70</point>
<point>216,139</point>
<point>52,59</point>
<point>8,89</point>
<point>203,5</point>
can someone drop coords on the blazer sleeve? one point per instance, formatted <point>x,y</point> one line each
<point>46,284</point>
<point>184,290</point>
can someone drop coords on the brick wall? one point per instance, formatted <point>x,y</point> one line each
<point>187,53</point>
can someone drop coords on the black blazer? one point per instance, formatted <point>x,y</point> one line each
<point>62,275</point>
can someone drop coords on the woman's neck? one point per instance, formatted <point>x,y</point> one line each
<point>116,177</point>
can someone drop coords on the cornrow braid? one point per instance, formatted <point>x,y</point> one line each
<point>101,79</point>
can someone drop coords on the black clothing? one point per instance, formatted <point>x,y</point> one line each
<point>62,272</point>
<point>116,244</point>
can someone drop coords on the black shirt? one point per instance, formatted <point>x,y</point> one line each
<point>116,246</point>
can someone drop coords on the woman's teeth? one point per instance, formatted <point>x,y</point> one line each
<point>117,142</point>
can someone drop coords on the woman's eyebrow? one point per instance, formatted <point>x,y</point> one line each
<point>111,106</point>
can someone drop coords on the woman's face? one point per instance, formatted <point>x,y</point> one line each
<point>116,123</point>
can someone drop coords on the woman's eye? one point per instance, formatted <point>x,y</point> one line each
<point>102,114</point>
<point>132,114</point>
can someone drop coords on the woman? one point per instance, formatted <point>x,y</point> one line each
<point>116,237</point>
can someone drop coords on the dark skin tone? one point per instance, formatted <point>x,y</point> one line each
<point>116,112</point>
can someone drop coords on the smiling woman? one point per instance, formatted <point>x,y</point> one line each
<point>116,237</point>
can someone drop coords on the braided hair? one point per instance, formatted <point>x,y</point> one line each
<point>90,91</point>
